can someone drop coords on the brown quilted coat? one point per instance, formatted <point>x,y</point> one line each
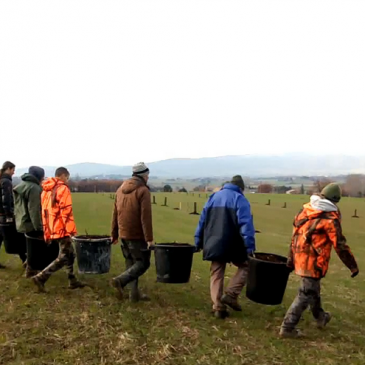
<point>132,214</point>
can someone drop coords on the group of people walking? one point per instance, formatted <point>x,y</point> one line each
<point>225,233</point>
<point>38,208</point>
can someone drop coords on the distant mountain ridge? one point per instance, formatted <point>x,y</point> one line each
<point>247,165</point>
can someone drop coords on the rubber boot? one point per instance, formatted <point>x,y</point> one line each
<point>75,284</point>
<point>116,284</point>
<point>39,283</point>
<point>323,320</point>
<point>231,302</point>
<point>294,333</point>
<point>221,314</point>
<point>29,272</point>
<point>135,294</point>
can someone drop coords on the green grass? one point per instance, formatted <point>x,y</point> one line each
<point>92,327</point>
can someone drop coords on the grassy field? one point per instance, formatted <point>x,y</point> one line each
<point>92,327</point>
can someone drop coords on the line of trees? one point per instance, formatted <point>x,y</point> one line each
<point>354,186</point>
<point>94,185</point>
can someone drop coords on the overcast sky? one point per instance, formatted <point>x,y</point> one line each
<point>125,81</point>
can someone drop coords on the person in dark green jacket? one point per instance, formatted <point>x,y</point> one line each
<point>27,205</point>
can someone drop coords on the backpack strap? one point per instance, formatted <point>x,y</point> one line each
<point>54,195</point>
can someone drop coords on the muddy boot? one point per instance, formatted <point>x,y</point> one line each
<point>294,333</point>
<point>137,296</point>
<point>29,273</point>
<point>39,283</point>
<point>231,302</point>
<point>221,314</point>
<point>323,320</point>
<point>76,284</point>
<point>115,283</point>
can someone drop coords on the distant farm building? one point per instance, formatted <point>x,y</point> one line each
<point>292,191</point>
<point>211,189</point>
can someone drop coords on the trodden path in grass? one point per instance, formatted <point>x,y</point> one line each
<point>91,326</point>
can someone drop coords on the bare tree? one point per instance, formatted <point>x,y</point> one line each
<point>354,185</point>
<point>265,189</point>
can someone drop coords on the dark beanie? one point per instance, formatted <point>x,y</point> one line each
<point>237,180</point>
<point>37,172</point>
<point>332,192</point>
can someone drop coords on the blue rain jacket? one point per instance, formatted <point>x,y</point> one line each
<point>225,231</point>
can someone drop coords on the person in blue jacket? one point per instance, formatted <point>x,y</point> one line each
<point>226,234</point>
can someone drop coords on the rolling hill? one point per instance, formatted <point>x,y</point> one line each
<point>247,165</point>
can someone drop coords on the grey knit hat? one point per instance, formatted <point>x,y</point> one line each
<point>140,168</point>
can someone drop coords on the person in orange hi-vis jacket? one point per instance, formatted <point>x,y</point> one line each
<point>58,225</point>
<point>317,228</point>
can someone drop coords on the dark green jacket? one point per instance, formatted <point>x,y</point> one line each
<point>27,205</point>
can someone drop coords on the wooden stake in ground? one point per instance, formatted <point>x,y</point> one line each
<point>355,214</point>
<point>284,206</point>
<point>195,210</point>
<point>153,200</point>
<point>165,203</point>
<point>268,202</point>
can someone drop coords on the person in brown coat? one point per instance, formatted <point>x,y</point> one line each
<point>132,223</point>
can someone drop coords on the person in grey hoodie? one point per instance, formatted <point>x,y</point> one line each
<point>27,205</point>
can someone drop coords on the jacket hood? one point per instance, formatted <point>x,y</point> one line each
<point>50,183</point>
<point>318,205</point>
<point>132,184</point>
<point>30,178</point>
<point>234,187</point>
<point>322,204</point>
<point>27,179</point>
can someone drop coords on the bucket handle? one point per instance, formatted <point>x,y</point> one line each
<point>153,247</point>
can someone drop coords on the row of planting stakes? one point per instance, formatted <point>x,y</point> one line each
<point>195,212</point>
<point>112,196</point>
<point>285,206</point>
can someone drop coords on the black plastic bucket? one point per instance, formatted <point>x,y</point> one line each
<point>14,242</point>
<point>39,253</point>
<point>93,254</point>
<point>173,262</point>
<point>267,278</point>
